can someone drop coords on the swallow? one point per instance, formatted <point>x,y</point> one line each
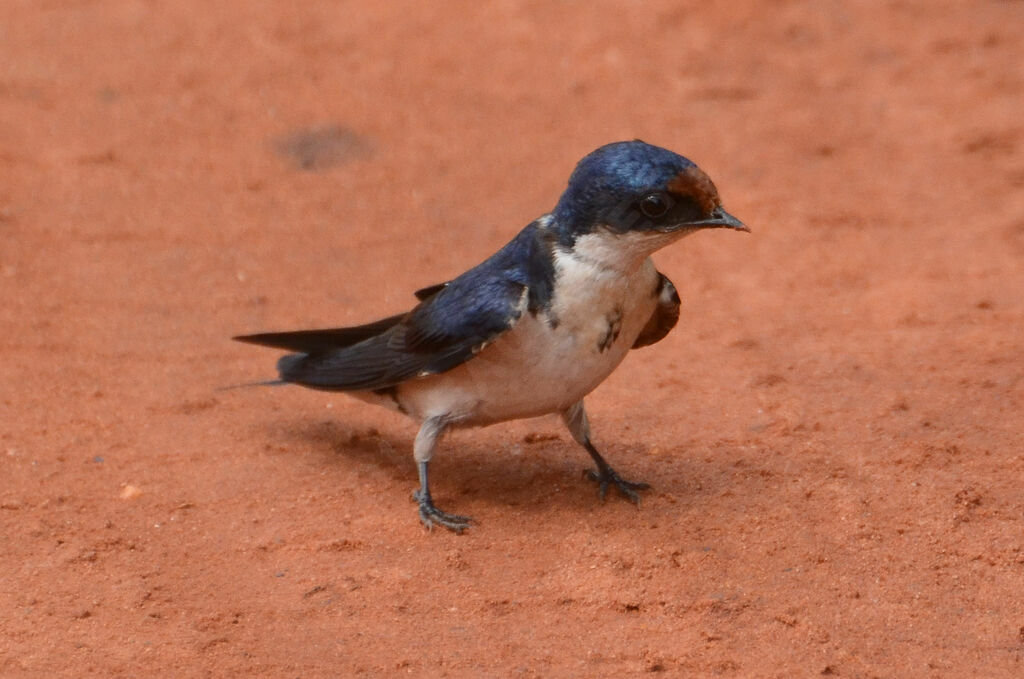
<point>536,326</point>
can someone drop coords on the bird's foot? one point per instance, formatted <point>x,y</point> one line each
<point>429,514</point>
<point>607,476</point>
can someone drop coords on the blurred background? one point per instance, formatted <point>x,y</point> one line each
<point>833,431</point>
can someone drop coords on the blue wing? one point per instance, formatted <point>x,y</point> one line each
<point>452,323</point>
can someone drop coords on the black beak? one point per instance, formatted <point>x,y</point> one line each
<point>720,218</point>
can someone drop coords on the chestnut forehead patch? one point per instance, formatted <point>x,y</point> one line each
<point>693,183</point>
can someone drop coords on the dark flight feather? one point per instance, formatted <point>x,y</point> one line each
<point>451,324</point>
<point>315,341</point>
<point>430,291</point>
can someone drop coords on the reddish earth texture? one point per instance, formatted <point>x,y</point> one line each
<point>833,432</point>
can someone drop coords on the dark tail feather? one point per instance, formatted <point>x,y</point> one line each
<point>285,368</point>
<point>295,369</point>
<point>287,365</point>
<point>265,383</point>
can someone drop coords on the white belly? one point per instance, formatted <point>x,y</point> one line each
<point>541,367</point>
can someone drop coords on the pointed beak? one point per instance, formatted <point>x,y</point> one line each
<point>721,218</point>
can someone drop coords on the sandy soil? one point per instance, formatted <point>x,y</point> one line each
<point>834,431</point>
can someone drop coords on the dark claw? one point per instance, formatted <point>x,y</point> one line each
<point>429,515</point>
<point>627,488</point>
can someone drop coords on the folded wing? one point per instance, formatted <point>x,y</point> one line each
<point>450,326</point>
<point>452,323</point>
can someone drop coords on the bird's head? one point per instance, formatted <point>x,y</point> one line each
<point>639,194</point>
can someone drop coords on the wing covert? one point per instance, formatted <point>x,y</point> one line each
<point>442,332</point>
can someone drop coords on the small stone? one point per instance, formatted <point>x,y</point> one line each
<point>130,492</point>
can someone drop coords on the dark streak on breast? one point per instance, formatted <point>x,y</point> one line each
<point>614,320</point>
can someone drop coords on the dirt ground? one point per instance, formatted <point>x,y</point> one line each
<point>833,432</point>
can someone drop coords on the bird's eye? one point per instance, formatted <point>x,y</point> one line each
<point>654,205</point>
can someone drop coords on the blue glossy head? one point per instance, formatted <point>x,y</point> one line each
<point>634,186</point>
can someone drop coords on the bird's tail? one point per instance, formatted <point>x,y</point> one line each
<point>285,367</point>
<point>243,385</point>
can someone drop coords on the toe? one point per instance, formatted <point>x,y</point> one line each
<point>630,495</point>
<point>431,515</point>
<point>453,522</point>
<point>626,488</point>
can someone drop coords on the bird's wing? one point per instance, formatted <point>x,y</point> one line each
<point>442,332</point>
<point>318,341</point>
<point>315,341</point>
<point>430,291</point>
<point>665,315</point>
<point>452,323</point>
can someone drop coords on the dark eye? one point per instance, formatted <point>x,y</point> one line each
<point>654,205</point>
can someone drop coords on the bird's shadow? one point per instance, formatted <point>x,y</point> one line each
<point>527,474</point>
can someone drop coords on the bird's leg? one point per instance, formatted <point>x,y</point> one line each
<point>429,514</point>
<point>575,418</point>
<point>423,450</point>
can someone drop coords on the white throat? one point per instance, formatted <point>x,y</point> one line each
<point>621,252</point>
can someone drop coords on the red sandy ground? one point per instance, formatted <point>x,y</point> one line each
<point>833,432</point>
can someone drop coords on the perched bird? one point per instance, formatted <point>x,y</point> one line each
<point>536,326</point>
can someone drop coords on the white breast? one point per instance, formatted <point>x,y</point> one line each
<point>604,294</point>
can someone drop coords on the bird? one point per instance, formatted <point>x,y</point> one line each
<point>536,326</point>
